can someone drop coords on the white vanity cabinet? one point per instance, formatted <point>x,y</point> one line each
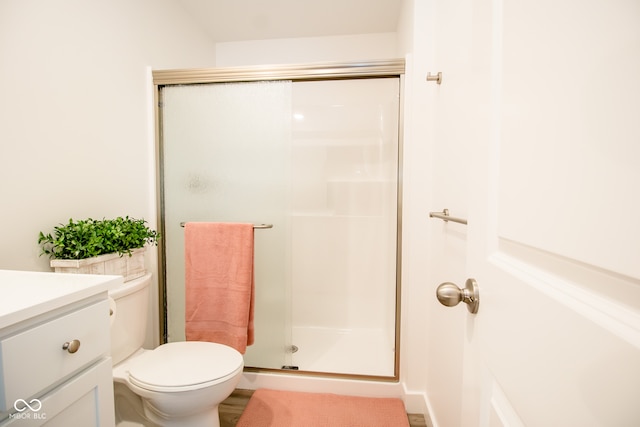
<point>55,368</point>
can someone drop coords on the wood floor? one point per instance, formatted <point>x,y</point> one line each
<point>231,409</point>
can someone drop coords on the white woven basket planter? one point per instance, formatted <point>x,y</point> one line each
<point>131,267</point>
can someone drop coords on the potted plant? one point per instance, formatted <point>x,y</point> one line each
<point>107,246</point>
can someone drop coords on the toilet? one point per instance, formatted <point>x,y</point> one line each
<point>175,384</point>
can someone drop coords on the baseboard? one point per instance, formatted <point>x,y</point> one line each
<point>417,403</point>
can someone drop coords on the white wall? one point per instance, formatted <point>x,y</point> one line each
<point>76,118</point>
<point>414,36</point>
<point>449,183</point>
<point>435,178</point>
<point>74,111</point>
<point>306,50</point>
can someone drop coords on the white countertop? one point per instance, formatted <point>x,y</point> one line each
<point>27,294</point>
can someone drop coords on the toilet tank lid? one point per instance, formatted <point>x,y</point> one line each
<point>184,364</point>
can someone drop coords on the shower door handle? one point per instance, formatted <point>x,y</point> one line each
<point>450,294</point>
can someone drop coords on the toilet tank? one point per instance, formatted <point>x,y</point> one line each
<point>129,306</point>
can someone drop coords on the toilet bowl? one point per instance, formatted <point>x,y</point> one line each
<point>175,384</point>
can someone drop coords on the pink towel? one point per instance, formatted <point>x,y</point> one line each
<point>219,283</point>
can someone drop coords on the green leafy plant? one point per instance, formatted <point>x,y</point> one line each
<point>89,238</point>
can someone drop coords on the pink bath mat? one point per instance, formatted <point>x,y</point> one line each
<point>275,408</point>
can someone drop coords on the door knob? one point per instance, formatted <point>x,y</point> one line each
<point>450,294</point>
<point>71,346</point>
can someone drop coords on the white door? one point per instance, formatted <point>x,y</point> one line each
<point>553,128</point>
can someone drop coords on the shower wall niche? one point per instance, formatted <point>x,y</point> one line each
<point>320,161</point>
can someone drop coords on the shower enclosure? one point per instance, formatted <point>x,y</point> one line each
<point>313,153</point>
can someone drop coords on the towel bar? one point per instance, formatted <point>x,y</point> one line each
<point>444,215</point>
<point>255,226</point>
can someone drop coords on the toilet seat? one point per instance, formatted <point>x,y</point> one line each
<point>184,366</point>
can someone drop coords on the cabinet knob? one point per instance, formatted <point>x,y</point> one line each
<point>71,346</point>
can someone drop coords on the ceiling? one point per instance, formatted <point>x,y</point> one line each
<point>237,20</point>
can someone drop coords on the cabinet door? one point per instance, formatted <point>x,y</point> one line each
<point>85,400</point>
<point>40,348</point>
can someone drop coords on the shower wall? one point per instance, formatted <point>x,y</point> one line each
<point>319,161</point>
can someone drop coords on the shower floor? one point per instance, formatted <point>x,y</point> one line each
<point>360,351</point>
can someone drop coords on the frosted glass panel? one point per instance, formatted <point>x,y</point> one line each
<point>226,159</point>
<point>319,161</point>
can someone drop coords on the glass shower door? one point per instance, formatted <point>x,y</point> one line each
<point>226,159</point>
<point>344,205</point>
<point>318,160</point>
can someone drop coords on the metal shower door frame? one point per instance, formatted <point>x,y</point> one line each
<point>295,72</point>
